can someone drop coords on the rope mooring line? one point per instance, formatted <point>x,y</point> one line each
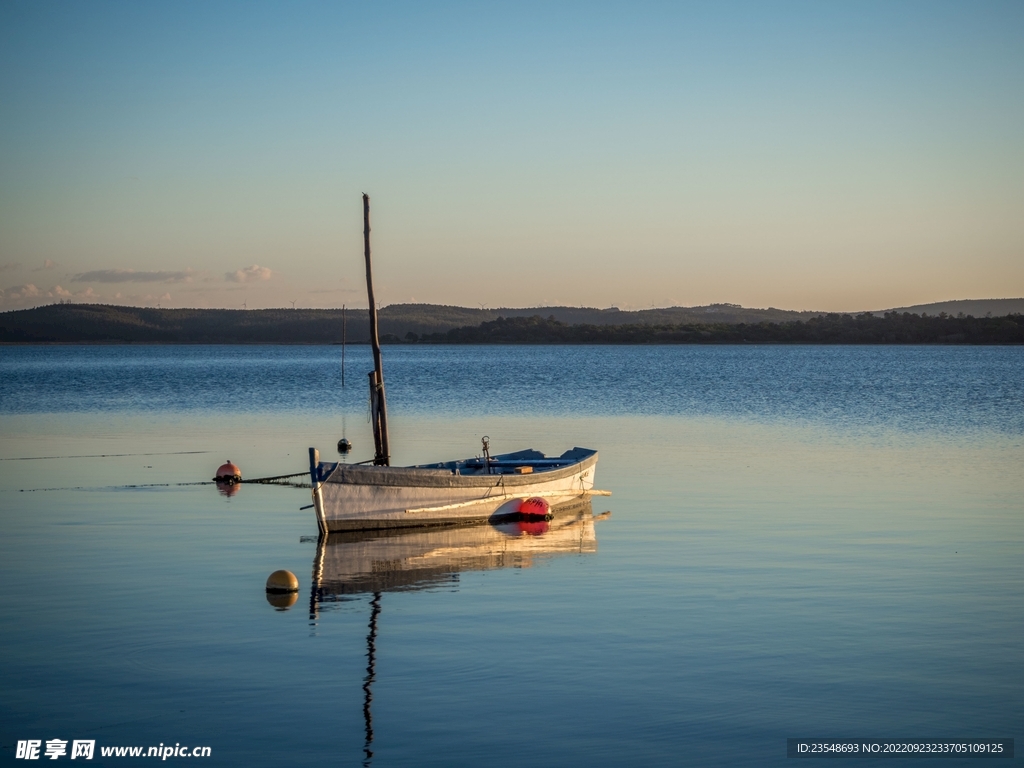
<point>101,455</point>
<point>272,479</point>
<point>275,480</point>
<point>114,487</point>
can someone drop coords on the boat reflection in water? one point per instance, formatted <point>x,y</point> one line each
<point>393,560</point>
<point>351,564</point>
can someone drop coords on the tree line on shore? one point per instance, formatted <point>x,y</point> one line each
<point>866,328</point>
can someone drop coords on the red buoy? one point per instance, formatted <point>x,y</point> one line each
<point>228,473</point>
<point>534,507</point>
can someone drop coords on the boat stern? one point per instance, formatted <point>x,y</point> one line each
<point>317,482</point>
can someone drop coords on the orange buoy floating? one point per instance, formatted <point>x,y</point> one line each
<point>228,473</point>
<point>534,507</point>
<point>228,478</point>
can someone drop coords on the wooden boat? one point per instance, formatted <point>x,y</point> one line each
<point>360,497</point>
<point>367,497</point>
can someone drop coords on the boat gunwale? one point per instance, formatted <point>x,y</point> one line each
<point>418,477</point>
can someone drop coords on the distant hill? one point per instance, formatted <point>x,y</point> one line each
<point>975,307</point>
<point>99,323</point>
<point>400,319</point>
<point>106,323</point>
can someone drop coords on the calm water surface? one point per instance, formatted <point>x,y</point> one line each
<point>812,542</point>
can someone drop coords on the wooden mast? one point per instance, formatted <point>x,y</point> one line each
<point>378,403</point>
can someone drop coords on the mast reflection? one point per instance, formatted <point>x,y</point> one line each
<point>371,674</point>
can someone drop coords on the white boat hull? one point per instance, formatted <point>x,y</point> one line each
<point>363,497</point>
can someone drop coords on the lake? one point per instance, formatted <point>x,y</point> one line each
<point>814,542</point>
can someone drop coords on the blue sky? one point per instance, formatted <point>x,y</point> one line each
<point>835,156</point>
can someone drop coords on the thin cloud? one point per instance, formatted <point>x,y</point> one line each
<point>63,293</point>
<point>132,276</point>
<point>47,264</point>
<point>22,292</point>
<point>141,297</point>
<point>6,267</point>
<point>32,295</point>
<point>254,272</point>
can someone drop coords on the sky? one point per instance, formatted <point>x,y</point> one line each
<point>835,156</point>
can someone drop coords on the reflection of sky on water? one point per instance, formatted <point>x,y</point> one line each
<point>760,578</point>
